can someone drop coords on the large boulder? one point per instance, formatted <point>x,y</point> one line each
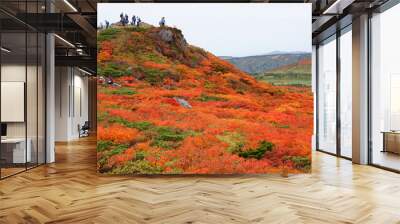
<point>166,35</point>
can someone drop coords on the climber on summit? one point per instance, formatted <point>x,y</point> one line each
<point>162,22</point>
<point>126,19</point>
<point>121,16</point>
<point>138,21</point>
<point>133,20</point>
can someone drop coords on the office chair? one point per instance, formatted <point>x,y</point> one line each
<point>84,130</point>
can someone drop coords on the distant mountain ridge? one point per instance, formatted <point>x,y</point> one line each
<point>302,66</point>
<point>297,74</point>
<point>263,63</point>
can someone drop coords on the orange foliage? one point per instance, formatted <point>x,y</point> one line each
<point>116,133</point>
<point>106,51</point>
<point>120,159</point>
<point>150,64</point>
<point>228,107</point>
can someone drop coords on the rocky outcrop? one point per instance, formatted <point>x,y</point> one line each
<point>166,35</point>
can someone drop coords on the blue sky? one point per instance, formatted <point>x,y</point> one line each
<point>228,29</point>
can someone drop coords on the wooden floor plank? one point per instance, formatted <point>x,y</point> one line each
<point>70,191</point>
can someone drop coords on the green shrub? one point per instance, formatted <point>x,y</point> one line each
<point>107,34</point>
<point>117,150</point>
<point>117,119</point>
<point>114,70</point>
<point>207,98</point>
<point>122,91</point>
<point>169,134</point>
<point>276,124</point>
<point>101,116</point>
<point>153,76</point>
<point>162,137</point>
<point>150,56</point>
<point>209,85</point>
<point>140,125</point>
<point>137,167</point>
<point>103,145</point>
<point>140,155</point>
<point>175,170</point>
<point>109,149</point>
<point>113,106</point>
<point>301,162</point>
<point>219,68</point>
<point>102,161</point>
<point>135,29</point>
<point>167,137</point>
<point>258,152</point>
<point>234,140</point>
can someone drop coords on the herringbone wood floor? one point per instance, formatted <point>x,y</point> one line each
<point>70,191</point>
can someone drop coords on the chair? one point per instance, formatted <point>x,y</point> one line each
<point>84,130</point>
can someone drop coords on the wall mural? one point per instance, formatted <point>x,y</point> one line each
<point>192,89</point>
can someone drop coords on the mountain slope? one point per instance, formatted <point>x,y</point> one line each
<point>262,63</point>
<point>165,106</point>
<point>301,66</point>
<point>297,74</point>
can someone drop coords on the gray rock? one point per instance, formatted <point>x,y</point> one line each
<point>166,35</point>
<point>183,102</point>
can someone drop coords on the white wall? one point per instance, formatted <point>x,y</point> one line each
<point>80,110</point>
<point>71,102</point>
<point>61,103</point>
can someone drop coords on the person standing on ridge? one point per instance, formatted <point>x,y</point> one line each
<point>126,19</point>
<point>121,16</point>
<point>107,24</point>
<point>162,22</point>
<point>133,20</point>
<point>138,21</point>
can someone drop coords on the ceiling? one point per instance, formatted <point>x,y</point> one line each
<point>75,20</point>
<point>329,16</point>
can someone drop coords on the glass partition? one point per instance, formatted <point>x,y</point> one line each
<point>14,153</point>
<point>327,96</point>
<point>22,88</point>
<point>385,89</point>
<point>346,93</point>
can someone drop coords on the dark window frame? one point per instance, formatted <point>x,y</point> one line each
<point>334,37</point>
<point>30,30</point>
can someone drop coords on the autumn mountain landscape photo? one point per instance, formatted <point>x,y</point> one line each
<point>166,106</point>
